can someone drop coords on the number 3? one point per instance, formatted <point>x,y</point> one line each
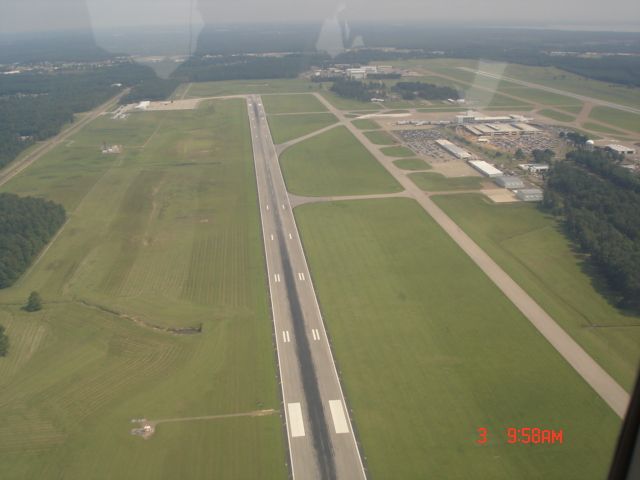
<point>483,436</point>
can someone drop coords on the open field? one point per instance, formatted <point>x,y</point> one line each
<point>398,151</point>
<point>540,96</point>
<point>556,115</point>
<point>381,138</point>
<point>165,236</point>
<point>529,247</point>
<point>347,103</point>
<point>292,104</point>
<point>430,351</point>
<point>601,128</point>
<point>334,163</point>
<point>243,87</point>
<point>288,127</point>
<point>434,182</point>
<point>412,164</point>
<point>616,118</point>
<point>366,124</point>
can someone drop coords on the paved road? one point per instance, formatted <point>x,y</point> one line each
<point>537,86</point>
<point>19,165</point>
<point>320,433</point>
<point>608,389</point>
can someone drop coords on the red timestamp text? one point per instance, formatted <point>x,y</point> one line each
<point>525,435</point>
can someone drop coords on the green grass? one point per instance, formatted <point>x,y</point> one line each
<point>617,118</point>
<point>334,163</point>
<point>167,235</point>
<point>528,246</point>
<point>347,103</point>
<point>596,127</point>
<point>243,87</point>
<point>397,152</point>
<point>430,350</point>
<point>541,96</point>
<point>556,115</point>
<point>381,138</point>
<point>288,127</point>
<point>412,164</point>
<point>366,124</point>
<point>435,182</point>
<point>292,104</point>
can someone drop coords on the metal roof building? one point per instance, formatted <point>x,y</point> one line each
<point>512,183</point>
<point>621,149</point>
<point>453,149</point>
<point>530,195</point>
<point>485,168</point>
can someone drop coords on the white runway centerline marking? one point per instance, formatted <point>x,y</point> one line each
<point>267,208</point>
<point>296,425</point>
<point>290,237</point>
<point>271,237</point>
<point>315,333</point>
<point>339,419</point>
<point>285,336</point>
<point>283,207</point>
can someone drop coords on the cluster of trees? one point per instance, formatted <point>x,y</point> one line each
<point>35,106</point>
<point>543,156</point>
<point>26,226</point>
<point>599,202</point>
<point>363,91</point>
<point>577,139</point>
<point>426,91</point>
<point>4,342</point>
<point>154,89</point>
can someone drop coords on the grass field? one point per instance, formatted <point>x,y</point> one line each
<point>292,104</point>
<point>540,96</point>
<point>529,247</point>
<point>166,235</point>
<point>412,164</point>
<point>556,115</point>
<point>243,87</point>
<point>381,138</point>
<point>366,124</point>
<point>347,103</point>
<point>288,127</point>
<point>430,351</point>
<point>397,152</point>
<point>596,127</point>
<point>334,163</point>
<point>435,182</point>
<point>617,118</point>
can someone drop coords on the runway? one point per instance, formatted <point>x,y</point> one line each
<point>321,441</point>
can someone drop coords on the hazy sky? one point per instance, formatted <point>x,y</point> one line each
<point>33,15</point>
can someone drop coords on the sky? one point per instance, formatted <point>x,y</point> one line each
<point>39,15</point>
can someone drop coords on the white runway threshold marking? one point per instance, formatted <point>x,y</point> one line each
<point>296,425</point>
<point>271,237</point>
<point>276,277</point>
<point>290,237</point>
<point>315,333</point>
<point>339,418</point>
<point>301,277</point>
<point>285,336</point>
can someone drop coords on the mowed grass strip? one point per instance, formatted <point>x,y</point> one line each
<point>246,87</point>
<point>274,104</point>
<point>348,104</point>
<point>530,247</point>
<point>435,182</point>
<point>381,138</point>
<point>334,163</point>
<point>556,115</point>
<point>366,124</point>
<point>617,118</point>
<point>430,351</point>
<point>412,164</point>
<point>289,127</point>
<point>398,151</point>
<point>169,236</point>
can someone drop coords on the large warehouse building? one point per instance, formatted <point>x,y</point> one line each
<point>485,168</point>
<point>530,195</point>
<point>620,149</point>
<point>512,183</point>
<point>453,149</point>
<point>497,129</point>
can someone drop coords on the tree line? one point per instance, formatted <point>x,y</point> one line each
<point>27,224</point>
<point>426,91</point>
<point>599,202</point>
<point>357,90</point>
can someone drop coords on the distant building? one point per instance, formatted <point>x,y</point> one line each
<point>512,183</point>
<point>453,149</point>
<point>534,167</point>
<point>356,73</point>
<point>485,168</point>
<point>620,149</point>
<point>530,195</point>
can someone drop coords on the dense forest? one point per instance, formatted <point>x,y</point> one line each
<point>35,106</point>
<point>426,91</point>
<point>357,90</point>
<point>599,202</point>
<point>27,224</point>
